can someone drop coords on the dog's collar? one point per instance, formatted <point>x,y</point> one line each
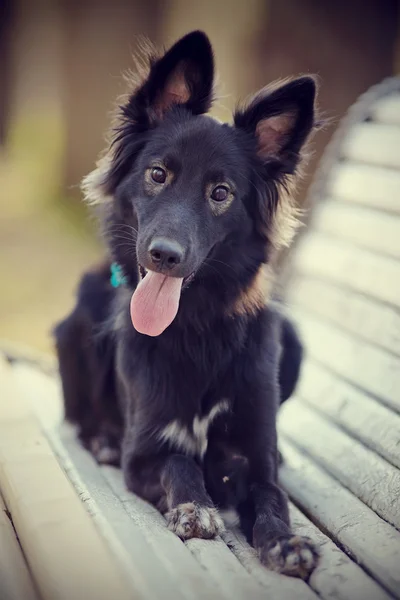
<point>117,276</point>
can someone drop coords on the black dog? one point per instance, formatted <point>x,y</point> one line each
<point>187,360</point>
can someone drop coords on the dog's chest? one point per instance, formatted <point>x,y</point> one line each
<point>193,440</point>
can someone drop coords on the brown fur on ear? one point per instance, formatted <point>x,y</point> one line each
<point>282,118</point>
<point>255,297</point>
<point>273,133</point>
<point>176,91</point>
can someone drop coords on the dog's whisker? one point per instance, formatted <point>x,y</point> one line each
<point>120,230</point>
<point>208,260</point>
<point>121,237</point>
<point>123,229</point>
<point>129,246</point>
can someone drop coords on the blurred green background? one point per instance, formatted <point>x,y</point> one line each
<point>60,67</point>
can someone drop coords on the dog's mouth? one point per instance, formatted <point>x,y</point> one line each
<point>155,302</point>
<point>185,283</point>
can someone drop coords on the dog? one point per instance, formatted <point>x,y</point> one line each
<point>175,358</point>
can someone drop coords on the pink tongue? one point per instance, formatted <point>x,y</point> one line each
<point>155,303</point>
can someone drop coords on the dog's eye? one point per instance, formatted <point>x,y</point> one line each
<point>220,193</point>
<point>158,175</point>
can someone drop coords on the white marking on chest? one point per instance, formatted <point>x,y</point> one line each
<point>193,441</point>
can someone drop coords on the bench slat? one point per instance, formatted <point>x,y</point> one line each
<point>336,577</point>
<point>223,568</point>
<point>373,143</point>
<point>370,368</point>
<point>368,476</point>
<point>365,185</point>
<point>15,580</point>
<point>52,524</point>
<point>358,269</point>
<point>163,553</point>
<point>387,110</point>
<point>217,564</point>
<point>142,530</point>
<point>371,321</point>
<point>371,229</point>
<point>356,527</point>
<point>132,535</point>
<point>362,416</point>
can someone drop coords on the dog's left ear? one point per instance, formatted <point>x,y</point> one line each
<point>281,118</point>
<point>183,75</point>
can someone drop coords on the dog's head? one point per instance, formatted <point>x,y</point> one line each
<point>188,199</point>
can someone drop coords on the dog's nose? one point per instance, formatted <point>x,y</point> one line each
<point>165,253</point>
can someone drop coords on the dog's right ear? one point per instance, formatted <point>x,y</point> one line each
<point>184,75</point>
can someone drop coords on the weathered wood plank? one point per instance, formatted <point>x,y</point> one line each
<point>367,319</point>
<point>210,554</point>
<point>15,580</point>
<point>160,553</point>
<point>374,543</point>
<point>336,577</point>
<point>365,185</point>
<point>46,512</point>
<point>360,270</point>
<point>223,567</point>
<point>142,530</point>
<point>387,110</point>
<point>373,143</point>
<point>363,417</point>
<point>371,229</point>
<point>223,570</point>
<point>42,392</point>
<point>169,560</point>
<point>370,368</point>
<point>368,476</point>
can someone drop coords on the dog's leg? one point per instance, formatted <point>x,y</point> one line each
<point>279,549</point>
<point>86,365</point>
<point>191,512</point>
<point>264,514</point>
<point>71,341</point>
<point>106,444</point>
<point>174,484</point>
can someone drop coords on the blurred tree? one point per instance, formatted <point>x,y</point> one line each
<point>397,47</point>
<point>350,45</point>
<point>100,37</point>
<point>6,14</point>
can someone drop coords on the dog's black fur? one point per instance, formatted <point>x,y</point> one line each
<point>228,342</point>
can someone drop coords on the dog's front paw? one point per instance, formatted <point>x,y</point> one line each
<point>191,520</point>
<point>290,555</point>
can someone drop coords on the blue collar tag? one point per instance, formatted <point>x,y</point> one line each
<point>117,277</point>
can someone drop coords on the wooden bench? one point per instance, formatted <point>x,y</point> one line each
<point>70,530</point>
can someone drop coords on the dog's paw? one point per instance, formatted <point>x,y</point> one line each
<point>290,555</point>
<point>191,520</point>
<point>105,450</point>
